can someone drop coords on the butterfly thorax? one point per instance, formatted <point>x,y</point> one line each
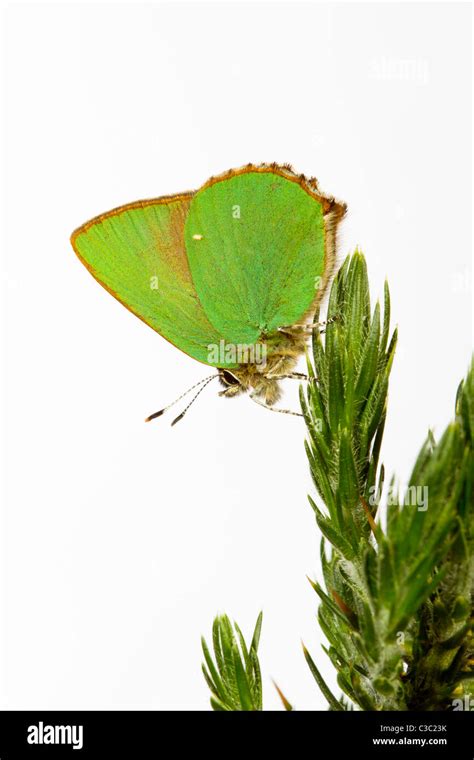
<point>263,379</point>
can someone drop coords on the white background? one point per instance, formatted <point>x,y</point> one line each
<point>120,540</point>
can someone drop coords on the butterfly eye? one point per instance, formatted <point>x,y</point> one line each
<point>228,378</point>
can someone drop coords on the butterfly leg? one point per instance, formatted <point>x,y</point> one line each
<point>232,390</point>
<point>272,409</point>
<point>274,372</point>
<point>293,376</point>
<point>291,329</point>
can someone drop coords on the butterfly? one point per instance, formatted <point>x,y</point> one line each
<point>231,274</point>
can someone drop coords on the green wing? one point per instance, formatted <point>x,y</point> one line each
<point>260,242</point>
<point>137,253</point>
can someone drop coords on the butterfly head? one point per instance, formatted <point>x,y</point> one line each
<point>231,382</point>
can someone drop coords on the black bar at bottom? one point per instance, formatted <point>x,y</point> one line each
<point>155,734</point>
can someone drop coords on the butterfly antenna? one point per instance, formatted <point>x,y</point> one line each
<point>162,411</point>
<point>180,416</point>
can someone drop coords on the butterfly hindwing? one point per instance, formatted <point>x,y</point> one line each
<point>259,247</point>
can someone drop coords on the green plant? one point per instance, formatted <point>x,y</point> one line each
<point>234,678</point>
<point>397,602</point>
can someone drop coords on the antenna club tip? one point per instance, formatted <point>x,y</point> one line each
<point>201,383</point>
<point>154,416</point>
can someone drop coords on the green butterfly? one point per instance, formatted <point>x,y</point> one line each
<point>230,274</point>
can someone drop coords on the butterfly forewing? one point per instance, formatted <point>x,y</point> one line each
<point>137,253</point>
